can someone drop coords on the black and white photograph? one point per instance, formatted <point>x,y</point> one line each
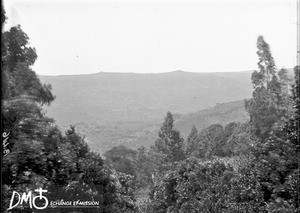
<point>150,106</point>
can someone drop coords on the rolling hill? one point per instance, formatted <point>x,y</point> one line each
<point>128,108</point>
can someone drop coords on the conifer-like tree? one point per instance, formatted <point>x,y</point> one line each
<point>191,142</point>
<point>169,142</point>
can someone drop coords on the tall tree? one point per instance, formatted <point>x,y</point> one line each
<point>18,77</point>
<point>266,64</point>
<point>267,105</point>
<point>17,49</point>
<point>169,142</point>
<point>191,142</point>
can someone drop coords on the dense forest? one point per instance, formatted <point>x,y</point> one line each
<point>239,167</point>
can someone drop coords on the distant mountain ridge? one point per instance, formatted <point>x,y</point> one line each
<point>110,97</point>
<point>123,104</point>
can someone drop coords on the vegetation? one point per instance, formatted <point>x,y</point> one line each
<point>235,167</point>
<point>250,166</point>
<point>103,137</point>
<point>38,154</point>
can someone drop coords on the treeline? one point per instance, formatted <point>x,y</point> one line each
<point>36,154</point>
<point>239,167</point>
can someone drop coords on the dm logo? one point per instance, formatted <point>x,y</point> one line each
<point>28,197</point>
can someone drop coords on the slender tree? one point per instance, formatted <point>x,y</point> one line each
<point>169,142</point>
<point>267,105</point>
<point>191,142</point>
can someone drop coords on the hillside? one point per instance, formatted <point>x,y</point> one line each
<point>219,114</point>
<point>136,134</point>
<point>114,108</point>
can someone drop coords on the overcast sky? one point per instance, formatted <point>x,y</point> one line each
<point>80,37</point>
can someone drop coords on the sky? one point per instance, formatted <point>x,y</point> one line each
<point>153,36</point>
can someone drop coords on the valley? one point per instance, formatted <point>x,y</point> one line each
<point>113,109</point>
